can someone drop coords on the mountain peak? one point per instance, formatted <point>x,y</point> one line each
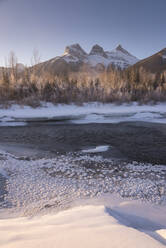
<point>75,50</point>
<point>119,47</point>
<point>75,55</point>
<point>122,50</point>
<point>98,50</point>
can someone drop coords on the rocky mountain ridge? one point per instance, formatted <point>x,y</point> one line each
<point>117,57</point>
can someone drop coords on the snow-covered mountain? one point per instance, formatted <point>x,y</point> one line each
<point>118,57</point>
<point>75,59</point>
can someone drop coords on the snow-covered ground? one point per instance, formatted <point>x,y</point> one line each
<point>87,201</point>
<point>57,182</point>
<point>87,113</point>
<point>121,225</point>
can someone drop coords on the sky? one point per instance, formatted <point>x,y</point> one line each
<point>50,25</point>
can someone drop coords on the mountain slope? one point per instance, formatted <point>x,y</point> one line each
<point>155,63</point>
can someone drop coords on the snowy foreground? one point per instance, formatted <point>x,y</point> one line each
<point>78,200</point>
<point>119,226</point>
<point>87,113</point>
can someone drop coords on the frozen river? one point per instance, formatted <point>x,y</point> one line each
<point>61,182</point>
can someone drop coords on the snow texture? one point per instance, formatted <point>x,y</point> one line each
<point>33,185</point>
<point>79,197</point>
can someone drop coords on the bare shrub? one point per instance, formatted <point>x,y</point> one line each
<point>31,101</point>
<point>30,86</point>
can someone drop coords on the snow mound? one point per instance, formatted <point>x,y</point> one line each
<point>84,226</point>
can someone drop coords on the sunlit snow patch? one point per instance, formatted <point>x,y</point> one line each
<point>162,233</point>
<point>96,149</point>
<point>84,226</point>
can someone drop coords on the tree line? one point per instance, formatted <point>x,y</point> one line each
<point>26,86</point>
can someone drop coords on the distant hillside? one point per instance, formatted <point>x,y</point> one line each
<point>155,63</point>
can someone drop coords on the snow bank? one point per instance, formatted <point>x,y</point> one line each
<point>87,113</point>
<point>85,226</point>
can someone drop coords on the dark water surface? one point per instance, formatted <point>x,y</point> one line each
<point>139,141</point>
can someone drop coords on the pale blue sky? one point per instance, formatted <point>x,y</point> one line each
<point>50,25</point>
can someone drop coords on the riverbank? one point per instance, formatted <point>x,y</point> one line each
<point>95,112</point>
